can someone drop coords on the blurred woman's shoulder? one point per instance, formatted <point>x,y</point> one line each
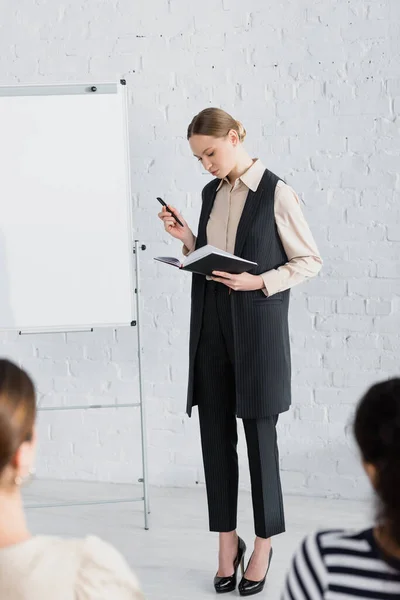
<point>102,567</point>
<point>49,567</point>
<point>344,563</point>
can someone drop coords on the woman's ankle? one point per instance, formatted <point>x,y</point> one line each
<point>228,535</point>
<point>262,543</point>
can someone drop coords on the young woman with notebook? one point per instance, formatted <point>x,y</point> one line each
<point>239,351</point>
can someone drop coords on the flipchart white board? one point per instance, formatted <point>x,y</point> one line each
<point>66,245</point>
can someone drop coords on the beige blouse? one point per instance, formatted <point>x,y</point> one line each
<point>304,260</point>
<point>51,568</point>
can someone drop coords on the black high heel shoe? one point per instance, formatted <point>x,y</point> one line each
<point>228,584</point>
<point>249,588</point>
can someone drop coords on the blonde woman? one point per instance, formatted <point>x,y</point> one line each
<point>239,354</point>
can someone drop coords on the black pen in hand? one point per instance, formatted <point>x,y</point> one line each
<point>161,201</point>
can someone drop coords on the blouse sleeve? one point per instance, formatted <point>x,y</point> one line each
<point>304,260</point>
<point>186,251</point>
<point>104,574</point>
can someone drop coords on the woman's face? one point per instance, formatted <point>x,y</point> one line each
<point>218,155</point>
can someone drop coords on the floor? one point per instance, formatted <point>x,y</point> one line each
<point>176,557</point>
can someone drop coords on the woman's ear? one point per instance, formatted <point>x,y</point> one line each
<point>372,473</point>
<point>24,458</point>
<point>233,137</point>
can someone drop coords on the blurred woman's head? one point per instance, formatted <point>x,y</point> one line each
<point>377,431</point>
<point>17,425</point>
<point>215,138</point>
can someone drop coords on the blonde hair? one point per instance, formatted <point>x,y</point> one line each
<point>215,122</point>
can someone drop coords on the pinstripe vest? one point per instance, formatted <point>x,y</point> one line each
<point>260,324</point>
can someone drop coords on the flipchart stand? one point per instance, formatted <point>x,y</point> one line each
<point>141,405</point>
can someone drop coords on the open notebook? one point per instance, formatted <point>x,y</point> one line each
<point>207,259</point>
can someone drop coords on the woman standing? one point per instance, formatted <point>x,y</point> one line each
<point>239,356</point>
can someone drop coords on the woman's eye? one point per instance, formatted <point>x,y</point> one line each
<point>211,154</point>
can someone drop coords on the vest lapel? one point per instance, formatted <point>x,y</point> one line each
<point>208,201</point>
<point>248,215</point>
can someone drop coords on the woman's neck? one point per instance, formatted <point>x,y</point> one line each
<point>385,541</point>
<point>243,163</point>
<point>13,527</point>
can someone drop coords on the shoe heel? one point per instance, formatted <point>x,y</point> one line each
<point>242,565</point>
<point>228,584</point>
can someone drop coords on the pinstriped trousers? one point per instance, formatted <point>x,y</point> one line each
<point>215,393</point>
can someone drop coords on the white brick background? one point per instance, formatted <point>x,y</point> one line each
<point>317,85</point>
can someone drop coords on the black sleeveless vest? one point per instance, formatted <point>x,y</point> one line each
<point>260,323</point>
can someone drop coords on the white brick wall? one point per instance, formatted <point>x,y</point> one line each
<point>317,85</point>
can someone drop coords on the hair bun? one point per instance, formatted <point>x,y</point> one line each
<point>241,131</point>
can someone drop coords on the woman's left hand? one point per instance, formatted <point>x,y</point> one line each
<point>244,282</point>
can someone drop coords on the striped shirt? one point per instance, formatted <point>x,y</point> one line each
<point>342,565</point>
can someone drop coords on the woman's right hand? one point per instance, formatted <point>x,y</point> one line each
<point>184,234</point>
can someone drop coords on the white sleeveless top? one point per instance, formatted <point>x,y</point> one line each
<point>52,568</point>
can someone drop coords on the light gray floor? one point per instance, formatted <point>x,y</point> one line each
<point>176,558</point>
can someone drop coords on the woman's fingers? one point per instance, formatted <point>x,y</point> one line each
<point>177,213</point>
<point>164,212</point>
<point>169,224</point>
<point>167,219</point>
<point>227,282</point>
<point>174,210</point>
<point>166,216</point>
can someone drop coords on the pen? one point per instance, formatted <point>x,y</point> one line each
<point>161,201</point>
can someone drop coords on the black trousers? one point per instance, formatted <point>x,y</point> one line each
<point>215,394</point>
